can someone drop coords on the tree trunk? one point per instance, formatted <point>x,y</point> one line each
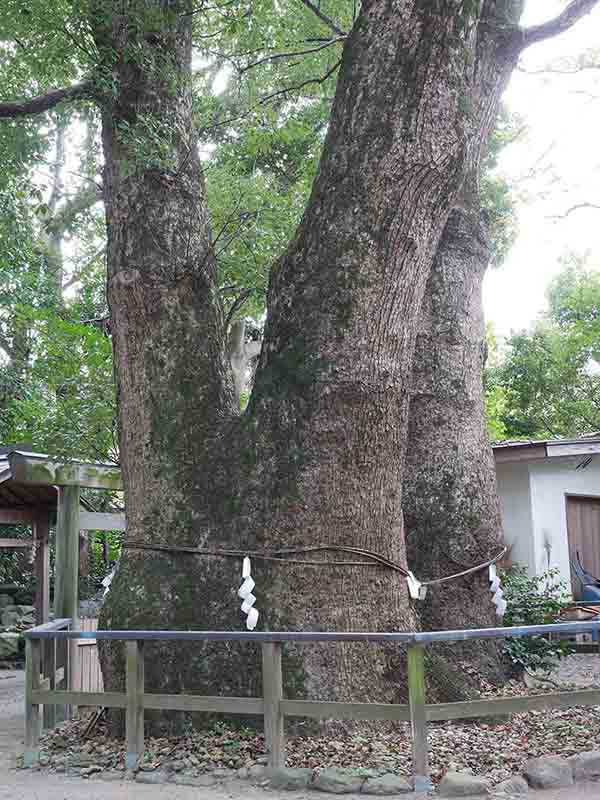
<point>315,459</point>
<point>451,509</point>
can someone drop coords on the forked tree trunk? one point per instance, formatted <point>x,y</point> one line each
<point>316,457</point>
<point>451,510</point>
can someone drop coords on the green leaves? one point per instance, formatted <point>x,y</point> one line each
<point>537,600</point>
<point>549,382</point>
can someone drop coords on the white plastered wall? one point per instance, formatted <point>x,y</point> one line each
<point>515,507</point>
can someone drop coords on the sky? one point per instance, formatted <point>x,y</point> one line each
<point>554,166</point>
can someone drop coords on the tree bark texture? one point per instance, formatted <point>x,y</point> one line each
<point>451,510</point>
<point>316,458</point>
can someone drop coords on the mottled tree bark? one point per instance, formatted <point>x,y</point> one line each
<point>451,510</point>
<point>316,457</point>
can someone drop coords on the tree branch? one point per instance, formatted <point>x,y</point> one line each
<point>576,10</point>
<point>324,18</point>
<point>574,208</point>
<point>44,102</point>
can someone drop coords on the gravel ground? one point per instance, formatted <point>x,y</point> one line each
<point>580,669</point>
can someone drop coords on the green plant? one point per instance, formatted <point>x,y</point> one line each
<point>534,600</point>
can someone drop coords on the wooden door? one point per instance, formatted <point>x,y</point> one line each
<point>583,527</point>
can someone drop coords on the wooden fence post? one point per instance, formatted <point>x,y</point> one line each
<point>416,696</point>
<point>49,673</point>
<point>272,695</point>
<point>32,710</point>
<point>134,715</point>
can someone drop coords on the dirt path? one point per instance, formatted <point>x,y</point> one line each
<point>12,689</point>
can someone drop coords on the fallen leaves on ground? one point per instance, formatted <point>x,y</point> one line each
<point>496,749</point>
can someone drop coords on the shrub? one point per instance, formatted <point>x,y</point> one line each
<point>534,600</point>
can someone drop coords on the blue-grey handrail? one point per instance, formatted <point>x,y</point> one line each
<point>44,632</point>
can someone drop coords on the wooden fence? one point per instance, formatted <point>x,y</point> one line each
<point>273,706</point>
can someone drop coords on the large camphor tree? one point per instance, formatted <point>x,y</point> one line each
<point>318,456</point>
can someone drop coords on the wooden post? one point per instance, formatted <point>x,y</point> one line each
<point>134,717</point>
<point>32,710</point>
<point>66,581</point>
<point>49,673</point>
<point>416,697</point>
<point>42,569</point>
<point>272,696</point>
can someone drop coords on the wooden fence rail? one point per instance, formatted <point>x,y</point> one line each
<point>273,706</point>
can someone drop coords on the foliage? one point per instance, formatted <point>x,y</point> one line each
<point>548,384</point>
<point>534,600</point>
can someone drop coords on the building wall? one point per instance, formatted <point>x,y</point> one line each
<point>515,507</point>
<point>534,509</point>
<point>551,481</point>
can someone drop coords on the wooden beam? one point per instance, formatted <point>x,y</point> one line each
<point>97,521</point>
<point>524,452</point>
<point>42,569</point>
<point>328,709</point>
<point>66,575</point>
<point>42,471</point>
<point>17,516</point>
<point>416,695</point>
<point>273,694</point>
<point>32,708</point>
<point>15,544</point>
<point>134,714</point>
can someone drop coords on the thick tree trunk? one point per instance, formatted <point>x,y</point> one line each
<point>450,504</point>
<point>315,459</point>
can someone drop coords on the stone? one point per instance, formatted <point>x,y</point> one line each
<point>223,774</point>
<point>257,772</point>
<point>26,611</point>
<point>242,773</point>
<point>201,781</point>
<point>386,784</point>
<point>514,786</point>
<point>158,776</point>
<point>586,766</point>
<point>338,781</point>
<point>10,617</point>
<point>9,645</point>
<point>289,778</point>
<point>87,772</point>
<point>462,784</point>
<point>548,772</point>
<point>5,601</point>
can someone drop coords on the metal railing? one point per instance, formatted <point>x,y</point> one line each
<point>273,706</point>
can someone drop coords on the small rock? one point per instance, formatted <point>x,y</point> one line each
<point>549,772</point>
<point>10,617</point>
<point>223,774</point>
<point>242,773</point>
<point>338,781</point>
<point>462,784</point>
<point>257,772</point>
<point>190,780</point>
<point>386,784</point>
<point>513,786</point>
<point>586,766</point>
<point>262,760</point>
<point>289,778</point>
<point>9,644</point>
<point>158,776</point>
<point>87,772</point>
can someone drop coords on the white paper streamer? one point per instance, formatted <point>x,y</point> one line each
<point>245,592</point>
